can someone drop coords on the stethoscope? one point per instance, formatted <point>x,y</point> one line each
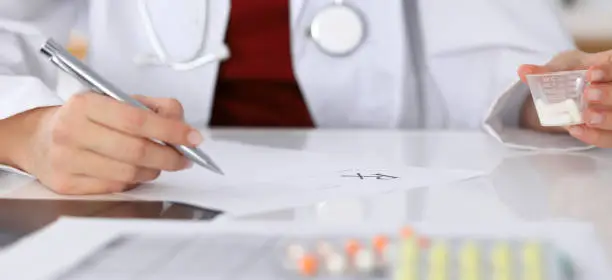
<point>337,30</point>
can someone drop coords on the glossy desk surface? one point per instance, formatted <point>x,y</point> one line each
<point>519,185</point>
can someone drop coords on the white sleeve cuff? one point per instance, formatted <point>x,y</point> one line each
<point>22,93</point>
<point>502,122</point>
<point>9,169</point>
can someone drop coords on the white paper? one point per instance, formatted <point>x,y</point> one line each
<point>62,246</point>
<point>479,202</point>
<point>261,179</point>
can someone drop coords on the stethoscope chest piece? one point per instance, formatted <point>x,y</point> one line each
<point>338,29</point>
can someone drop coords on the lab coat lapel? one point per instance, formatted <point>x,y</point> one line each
<point>194,89</point>
<point>360,89</point>
<point>295,10</point>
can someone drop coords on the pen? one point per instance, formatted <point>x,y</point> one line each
<point>61,58</point>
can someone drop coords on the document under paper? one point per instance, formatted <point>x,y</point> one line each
<point>261,178</point>
<point>76,248</point>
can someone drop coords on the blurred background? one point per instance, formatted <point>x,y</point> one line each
<point>590,22</point>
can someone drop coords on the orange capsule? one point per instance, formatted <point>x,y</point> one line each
<point>352,246</point>
<point>380,242</point>
<point>424,242</point>
<point>308,265</point>
<point>407,232</point>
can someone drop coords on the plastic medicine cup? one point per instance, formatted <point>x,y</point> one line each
<point>558,97</point>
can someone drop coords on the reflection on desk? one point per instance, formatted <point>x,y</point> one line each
<point>19,217</point>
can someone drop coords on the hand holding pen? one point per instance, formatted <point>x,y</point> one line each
<point>95,144</point>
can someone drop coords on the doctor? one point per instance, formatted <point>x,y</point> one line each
<point>303,63</point>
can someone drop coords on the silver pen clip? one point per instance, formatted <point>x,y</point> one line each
<point>60,64</point>
<point>55,59</point>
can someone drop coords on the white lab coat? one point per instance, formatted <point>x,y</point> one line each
<point>471,50</point>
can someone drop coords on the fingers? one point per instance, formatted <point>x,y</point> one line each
<point>98,145</point>
<point>592,136</point>
<point>529,69</point>
<point>601,73</point>
<point>87,163</point>
<point>145,124</point>
<point>84,185</point>
<point>135,121</point>
<point>129,149</point>
<point>599,95</point>
<point>166,107</point>
<point>595,118</point>
<point>566,61</point>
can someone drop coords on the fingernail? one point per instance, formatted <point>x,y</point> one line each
<point>594,94</point>
<point>188,164</point>
<point>194,137</point>
<point>595,118</point>
<point>576,130</point>
<point>597,76</point>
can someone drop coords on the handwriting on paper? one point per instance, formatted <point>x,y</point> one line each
<point>375,176</point>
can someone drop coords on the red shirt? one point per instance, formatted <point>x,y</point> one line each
<point>256,86</point>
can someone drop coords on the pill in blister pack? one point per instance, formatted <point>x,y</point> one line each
<point>558,97</point>
<point>411,256</point>
<point>329,256</point>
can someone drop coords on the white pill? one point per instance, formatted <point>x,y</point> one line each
<point>324,248</point>
<point>540,105</point>
<point>558,114</point>
<point>336,264</point>
<point>573,110</point>
<point>389,253</point>
<point>544,110</point>
<point>364,261</point>
<point>296,251</point>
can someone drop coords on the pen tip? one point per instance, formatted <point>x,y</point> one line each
<point>204,161</point>
<point>212,167</point>
<point>218,170</point>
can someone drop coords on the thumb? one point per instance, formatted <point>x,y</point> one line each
<point>166,107</point>
<point>566,61</point>
<point>529,69</point>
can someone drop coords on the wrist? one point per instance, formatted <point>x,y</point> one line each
<point>529,118</point>
<point>21,130</point>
